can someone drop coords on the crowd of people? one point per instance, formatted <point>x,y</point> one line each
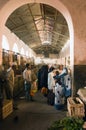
<point>53,81</point>
<point>57,81</point>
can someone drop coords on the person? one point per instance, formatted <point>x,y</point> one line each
<point>58,94</point>
<point>44,76</point>
<point>27,81</point>
<point>51,81</point>
<point>51,87</point>
<point>10,84</point>
<point>33,82</point>
<point>67,82</point>
<point>43,79</point>
<point>10,81</point>
<point>2,84</point>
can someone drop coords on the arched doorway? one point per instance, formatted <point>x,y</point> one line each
<point>58,5</point>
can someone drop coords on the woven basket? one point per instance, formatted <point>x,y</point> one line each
<point>75,109</point>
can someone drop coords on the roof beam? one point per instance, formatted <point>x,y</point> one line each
<point>33,21</point>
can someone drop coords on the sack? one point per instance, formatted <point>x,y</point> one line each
<point>34,87</point>
<point>32,93</point>
<point>44,90</point>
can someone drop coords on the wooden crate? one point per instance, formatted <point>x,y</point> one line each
<point>7,108</point>
<point>75,109</point>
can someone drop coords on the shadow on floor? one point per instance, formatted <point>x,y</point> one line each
<point>37,115</point>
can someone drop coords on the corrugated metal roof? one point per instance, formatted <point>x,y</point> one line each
<point>41,27</point>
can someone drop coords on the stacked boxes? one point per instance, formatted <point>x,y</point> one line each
<point>6,109</point>
<point>75,107</point>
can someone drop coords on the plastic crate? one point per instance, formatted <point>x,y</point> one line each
<point>75,107</point>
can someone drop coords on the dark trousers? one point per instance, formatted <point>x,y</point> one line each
<point>27,90</point>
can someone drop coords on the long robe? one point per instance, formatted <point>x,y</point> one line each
<point>58,96</point>
<point>43,77</point>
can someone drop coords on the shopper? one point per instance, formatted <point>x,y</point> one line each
<point>27,81</point>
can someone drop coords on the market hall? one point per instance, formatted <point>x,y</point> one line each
<point>43,32</point>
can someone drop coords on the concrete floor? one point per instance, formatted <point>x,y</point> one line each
<point>37,115</point>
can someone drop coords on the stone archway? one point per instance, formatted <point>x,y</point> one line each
<point>8,7</point>
<point>14,4</point>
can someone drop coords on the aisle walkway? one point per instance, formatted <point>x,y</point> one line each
<point>35,115</point>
